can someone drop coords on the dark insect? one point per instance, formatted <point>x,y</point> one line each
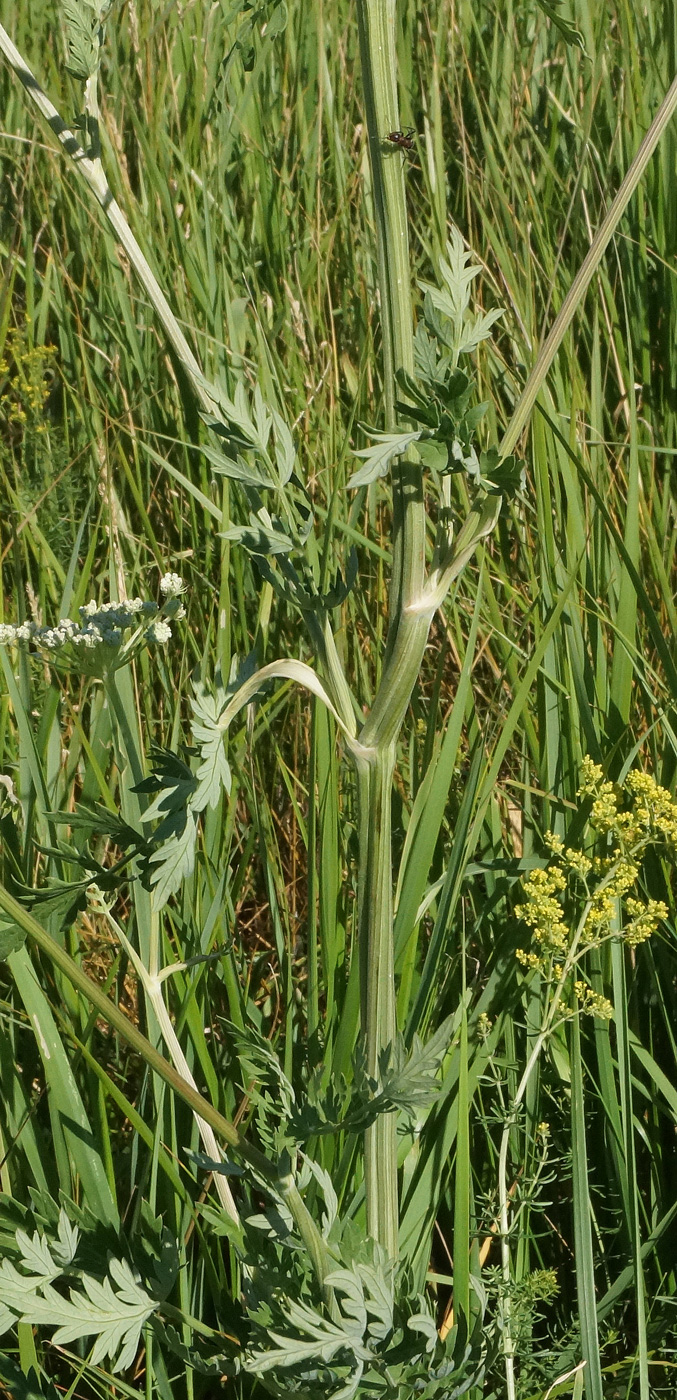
<point>403,139</point>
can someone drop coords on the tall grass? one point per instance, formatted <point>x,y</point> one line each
<point>247,186</point>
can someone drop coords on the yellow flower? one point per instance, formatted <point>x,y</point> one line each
<point>593,1003</point>
<point>483,1025</point>
<point>645,919</point>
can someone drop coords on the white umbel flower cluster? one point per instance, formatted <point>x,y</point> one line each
<point>171,585</point>
<point>98,642</point>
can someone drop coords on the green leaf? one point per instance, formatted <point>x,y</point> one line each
<point>506,476</point>
<point>387,447</point>
<point>277,23</point>
<point>71,1126</point>
<point>477,329</point>
<point>84,21</point>
<point>213,775</point>
<point>259,536</point>
<point>28,1386</point>
<point>233,467</point>
<point>285,452</point>
<point>11,937</point>
<point>114,1311</point>
<point>434,455</point>
<point>454,298</point>
<point>173,862</point>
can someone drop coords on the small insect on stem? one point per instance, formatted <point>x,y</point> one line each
<point>404,140</point>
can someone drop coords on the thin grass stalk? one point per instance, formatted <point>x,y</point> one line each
<point>586,272</point>
<point>583,1250</point>
<point>151,979</point>
<point>92,172</point>
<point>628,1127</point>
<point>507,1336</point>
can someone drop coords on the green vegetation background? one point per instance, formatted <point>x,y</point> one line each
<point>247,184</point>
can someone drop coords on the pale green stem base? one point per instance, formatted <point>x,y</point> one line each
<point>377,984</point>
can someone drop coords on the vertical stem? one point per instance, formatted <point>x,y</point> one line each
<point>313,969</point>
<point>461,1295</point>
<point>407,628</point>
<point>377,984</point>
<point>376,20</point>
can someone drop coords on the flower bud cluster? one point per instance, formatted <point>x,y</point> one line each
<point>592,1003</point>
<point>644,920</point>
<point>629,819</point>
<point>651,811</point>
<point>542,911</point>
<point>98,640</point>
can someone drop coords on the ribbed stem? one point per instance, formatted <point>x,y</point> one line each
<point>407,631</point>
<point>377,983</point>
<point>379,74</point>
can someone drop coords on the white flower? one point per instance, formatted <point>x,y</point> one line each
<point>171,585</point>
<point>7,634</point>
<point>159,632</point>
<point>88,609</point>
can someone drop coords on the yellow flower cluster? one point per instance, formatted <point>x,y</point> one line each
<point>645,919</point>
<point>543,913</point>
<point>575,861</point>
<point>603,902</point>
<point>605,805</point>
<point>652,811</point>
<point>593,1003</point>
<point>633,817</point>
<point>26,387</point>
<point>483,1025</point>
<point>653,807</point>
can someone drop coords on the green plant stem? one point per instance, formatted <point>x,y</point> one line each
<point>322,1260</point>
<point>376,20</point>
<point>407,633</point>
<point>586,272</point>
<point>377,983</point>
